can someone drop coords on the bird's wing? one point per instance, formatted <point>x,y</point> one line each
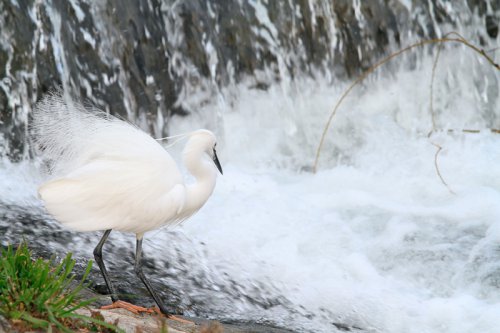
<point>108,173</point>
<point>115,193</point>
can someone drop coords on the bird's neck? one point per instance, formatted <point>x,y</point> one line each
<point>200,166</point>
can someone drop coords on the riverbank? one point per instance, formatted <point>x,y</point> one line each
<point>148,323</point>
<point>132,323</point>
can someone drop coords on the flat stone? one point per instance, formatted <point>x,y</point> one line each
<point>147,323</point>
<point>132,323</point>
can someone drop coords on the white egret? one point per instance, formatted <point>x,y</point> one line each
<point>109,175</point>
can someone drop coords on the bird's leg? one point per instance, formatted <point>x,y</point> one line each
<point>116,303</point>
<point>140,274</point>
<point>100,262</point>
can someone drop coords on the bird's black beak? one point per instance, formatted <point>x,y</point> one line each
<point>217,163</point>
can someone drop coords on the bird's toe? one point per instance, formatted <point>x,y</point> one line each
<point>127,306</point>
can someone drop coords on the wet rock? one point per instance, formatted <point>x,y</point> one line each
<point>4,325</point>
<point>132,323</point>
<point>112,54</point>
<point>146,323</point>
<point>140,59</point>
<point>183,287</point>
<point>492,25</point>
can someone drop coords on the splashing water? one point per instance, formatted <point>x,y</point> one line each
<point>374,240</point>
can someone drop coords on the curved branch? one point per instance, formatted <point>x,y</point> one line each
<point>458,39</point>
<point>436,166</point>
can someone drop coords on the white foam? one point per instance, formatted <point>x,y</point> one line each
<point>374,239</point>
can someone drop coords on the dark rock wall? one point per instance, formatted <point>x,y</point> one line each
<point>139,58</point>
<point>113,54</point>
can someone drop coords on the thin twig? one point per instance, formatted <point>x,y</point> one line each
<point>469,130</point>
<point>436,166</point>
<point>380,63</point>
<point>433,115</point>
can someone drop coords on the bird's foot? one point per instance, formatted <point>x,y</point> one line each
<point>127,306</point>
<point>181,320</point>
<point>136,309</point>
<point>171,316</point>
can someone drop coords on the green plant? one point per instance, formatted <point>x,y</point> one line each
<point>38,293</point>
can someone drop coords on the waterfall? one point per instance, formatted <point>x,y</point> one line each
<point>144,60</point>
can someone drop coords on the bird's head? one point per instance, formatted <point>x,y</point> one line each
<point>205,141</point>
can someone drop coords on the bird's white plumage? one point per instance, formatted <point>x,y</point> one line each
<point>108,174</point>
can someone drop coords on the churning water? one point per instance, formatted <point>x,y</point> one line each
<point>374,239</point>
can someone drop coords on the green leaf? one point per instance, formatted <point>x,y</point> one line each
<point>42,292</point>
<point>36,322</point>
